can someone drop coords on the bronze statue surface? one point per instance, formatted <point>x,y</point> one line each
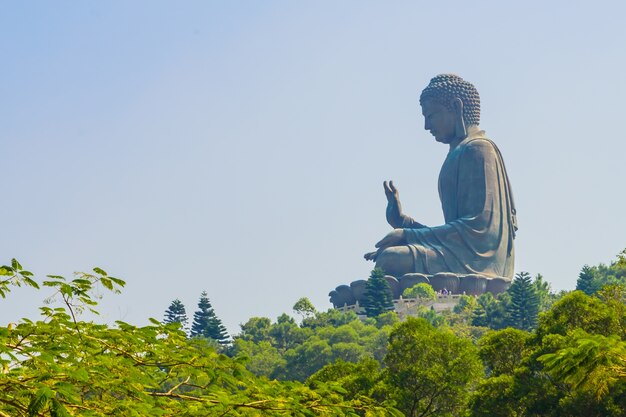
<point>473,251</point>
<point>475,193</point>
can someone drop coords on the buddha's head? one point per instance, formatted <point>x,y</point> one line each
<point>449,105</point>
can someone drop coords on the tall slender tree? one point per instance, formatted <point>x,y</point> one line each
<point>524,306</point>
<point>544,292</point>
<point>378,295</point>
<point>206,323</point>
<point>587,281</point>
<point>176,313</point>
<point>304,307</point>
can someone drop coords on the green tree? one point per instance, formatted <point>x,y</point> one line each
<point>389,318</point>
<point>176,313</point>
<point>497,397</point>
<point>256,329</point>
<point>350,342</point>
<point>593,278</point>
<point>422,290</point>
<point>590,362</point>
<point>305,359</point>
<point>491,312</point>
<point>466,305</point>
<point>430,371</point>
<point>360,379</point>
<point>332,317</point>
<point>587,282</point>
<point>286,334</point>
<point>378,296</point>
<point>15,276</point>
<point>304,307</point>
<point>431,316</point>
<point>614,297</point>
<point>60,365</point>
<point>503,350</point>
<point>570,366</point>
<point>524,306</point>
<point>262,359</point>
<point>544,293</point>
<point>285,350</point>
<point>479,316</point>
<point>577,310</point>
<point>206,323</point>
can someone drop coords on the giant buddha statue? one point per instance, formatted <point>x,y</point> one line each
<point>473,251</point>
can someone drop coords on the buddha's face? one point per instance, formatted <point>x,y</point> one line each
<point>439,121</point>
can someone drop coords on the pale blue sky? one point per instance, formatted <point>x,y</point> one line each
<point>240,147</point>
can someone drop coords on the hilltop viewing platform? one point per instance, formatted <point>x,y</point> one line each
<point>409,307</point>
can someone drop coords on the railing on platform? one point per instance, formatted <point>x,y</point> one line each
<point>410,306</point>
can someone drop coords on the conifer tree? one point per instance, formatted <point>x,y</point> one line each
<point>587,281</point>
<point>524,306</point>
<point>176,313</point>
<point>378,296</point>
<point>479,316</point>
<point>206,323</point>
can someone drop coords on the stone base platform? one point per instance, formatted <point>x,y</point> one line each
<point>470,284</point>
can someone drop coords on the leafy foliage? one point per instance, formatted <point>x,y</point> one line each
<point>491,312</point>
<point>590,362</point>
<point>577,310</point>
<point>544,293</point>
<point>304,307</point>
<point>362,378</point>
<point>62,366</point>
<point>330,364</point>
<point>593,278</point>
<point>288,351</point>
<point>14,275</point>
<point>421,290</point>
<point>574,364</point>
<point>503,350</point>
<point>466,305</point>
<point>431,371</point>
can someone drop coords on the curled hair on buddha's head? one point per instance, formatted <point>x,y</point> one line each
<point>444,88</point>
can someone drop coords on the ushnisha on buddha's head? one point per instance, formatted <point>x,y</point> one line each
<point>450,105</point>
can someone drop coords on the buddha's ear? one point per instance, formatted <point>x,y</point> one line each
<point>459,127</point>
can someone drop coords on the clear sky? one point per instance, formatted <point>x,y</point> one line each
<point>240,147</point>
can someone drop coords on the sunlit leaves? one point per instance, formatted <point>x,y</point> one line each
<point>14,275</point>
<point>62,366</point>
<point>592,362</point>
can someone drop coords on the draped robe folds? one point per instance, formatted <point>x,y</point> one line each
<point>480,218</point>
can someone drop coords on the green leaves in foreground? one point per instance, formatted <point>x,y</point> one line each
<point>14,275</point>
<point>63,366</point>
<point>591,363</point>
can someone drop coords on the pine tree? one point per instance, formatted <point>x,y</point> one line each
<point>524,306</point>
<point>479,316</point>
<point>587,282</point>
<point>176,313</point>
<point>378,295</point>
<point>206,323</point>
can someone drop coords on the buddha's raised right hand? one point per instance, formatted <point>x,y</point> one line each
<point>394,208</point>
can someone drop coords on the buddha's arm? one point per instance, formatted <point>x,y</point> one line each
<point>395,217</point>
<point>475,190</point>
<point>410,223</point>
